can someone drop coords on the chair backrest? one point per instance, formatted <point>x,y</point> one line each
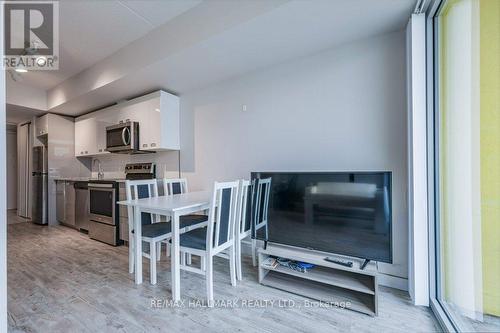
<point>262,200</point>
<point>223,215</point>
<point>174,186</point>
<point>243,225</point>
<point>140,189</point>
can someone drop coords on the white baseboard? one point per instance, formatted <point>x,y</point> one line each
<point>393,281</point>
<point>383,279</point>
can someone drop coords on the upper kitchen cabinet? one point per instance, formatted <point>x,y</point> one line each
<point>159,122</point>
<point>90,136</point>
<point>86,137</point>
<point>42,125</point>
<point>100,126</point>
<point>157,115</point>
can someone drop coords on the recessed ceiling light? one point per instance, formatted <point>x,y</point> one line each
<point>41,61</point>
<point>21,70</point>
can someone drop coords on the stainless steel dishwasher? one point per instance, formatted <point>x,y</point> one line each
<point>82,206</point>
<point>69,204</point>
<point>60,201</point>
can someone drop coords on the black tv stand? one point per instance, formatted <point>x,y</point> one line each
<point>363,265</point>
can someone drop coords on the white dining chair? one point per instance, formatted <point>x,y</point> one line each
<point>260,212</point>
<point>217,238</point>
<point>173,186</point>
<point>243,227</point>
<point>153,231</point>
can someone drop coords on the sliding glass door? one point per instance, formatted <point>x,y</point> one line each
<point>466,145</point>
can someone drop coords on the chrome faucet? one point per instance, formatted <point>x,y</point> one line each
<point>100,172</point>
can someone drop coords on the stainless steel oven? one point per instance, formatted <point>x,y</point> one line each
<point>103,225</point>
<point>123,137</point>
<point>102,202</point>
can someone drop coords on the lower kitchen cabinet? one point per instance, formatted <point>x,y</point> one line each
<point>65,203</point>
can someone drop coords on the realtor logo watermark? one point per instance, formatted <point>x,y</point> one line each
<point>31,35</point>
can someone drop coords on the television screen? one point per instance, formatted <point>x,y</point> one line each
<point>347,213</point>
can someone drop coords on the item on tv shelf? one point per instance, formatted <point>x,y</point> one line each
<point>270,262</point>
<point>299,266</point>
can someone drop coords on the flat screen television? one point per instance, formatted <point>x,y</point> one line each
<point>347,213</point>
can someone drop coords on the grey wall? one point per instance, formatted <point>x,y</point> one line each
<point>343,109</point>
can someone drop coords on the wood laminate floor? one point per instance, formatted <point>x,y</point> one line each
<point>59,280</point>
<point>12,217</point>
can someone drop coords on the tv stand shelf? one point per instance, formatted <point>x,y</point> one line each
<point>326,282</point>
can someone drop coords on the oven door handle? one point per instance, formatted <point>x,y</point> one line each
<point>125,141</point>
<point>104,187</point>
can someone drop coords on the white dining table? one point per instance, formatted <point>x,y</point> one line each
<point>173,206</point>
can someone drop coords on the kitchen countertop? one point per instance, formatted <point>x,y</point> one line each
<point>72,179</point>
<point>86,179</point>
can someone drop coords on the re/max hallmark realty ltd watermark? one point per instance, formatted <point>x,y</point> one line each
<point>31,35</point>
<point>159,303</point>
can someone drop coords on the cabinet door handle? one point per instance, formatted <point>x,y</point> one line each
<point>86,152</point>
<point>144,145</point>
<point>81,153</point>
<point>153,144</point>
<point>100,150</point>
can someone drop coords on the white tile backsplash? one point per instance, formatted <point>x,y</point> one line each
<point>167,164</point>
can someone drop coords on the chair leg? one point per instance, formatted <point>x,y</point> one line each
<point>203,264</point>
<point>232,262</point>
<point>131,255</point>
<point>188,258</point>
<point>167,250</point>
<point>152,262</point>
<point>183,258</point>
<point>158,251</point>
<point>210,280</point>
<point>239,274</point>
<point>254,249</point>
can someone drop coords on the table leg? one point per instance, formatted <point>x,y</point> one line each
<point>174,257</point>
<point>138,245</point>
<point>131,254</point>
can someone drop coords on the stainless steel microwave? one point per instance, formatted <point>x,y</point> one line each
<point>123,138</point>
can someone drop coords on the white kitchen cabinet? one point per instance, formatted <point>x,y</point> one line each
<point>128,111</point>
<point>159,122</point>
<point>85,137</point>
<point>101,136</point>
<point>157,114</point>
<point>150,118</point>
<point>42,125</point>
<point>90,137</point>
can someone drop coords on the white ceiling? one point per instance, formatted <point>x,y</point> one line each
<point>268,36</point>
<point>17,114</point>
<point>89,31</point>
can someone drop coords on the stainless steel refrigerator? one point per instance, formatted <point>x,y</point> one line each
<point>40,182</point>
